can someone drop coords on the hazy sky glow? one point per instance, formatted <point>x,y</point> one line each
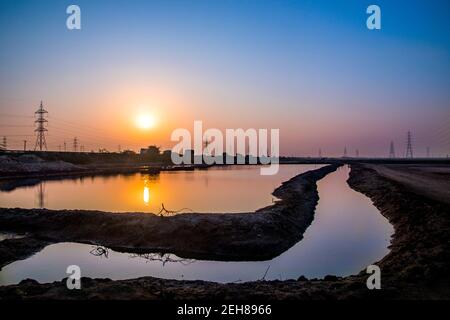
<point>310,68</point>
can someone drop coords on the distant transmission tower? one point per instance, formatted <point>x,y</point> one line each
<point>392,150</point>
<point>40,130</point>
<point>409,149</point>
<point>207,141</point>
<point>345,152</point>
<point>4,144</point>
<point>75,144</point>
<point>357,153</point>
<point>320,153</point>
<point>428,152</point>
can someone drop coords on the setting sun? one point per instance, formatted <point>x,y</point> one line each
<point>145,121</point>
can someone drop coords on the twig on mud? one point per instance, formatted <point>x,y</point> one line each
<point>163,212</point>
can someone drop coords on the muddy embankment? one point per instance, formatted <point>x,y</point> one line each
<point>258,235</point>
<point>418,264</point>
<point>29,169</point>
<point>416,268</point>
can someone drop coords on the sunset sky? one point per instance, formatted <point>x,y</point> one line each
<point>310,68</point>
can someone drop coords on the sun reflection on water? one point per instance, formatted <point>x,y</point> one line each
<point>146,193</point>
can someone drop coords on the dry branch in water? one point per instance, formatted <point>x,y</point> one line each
<point>164,258</point>
<point>100,251</point>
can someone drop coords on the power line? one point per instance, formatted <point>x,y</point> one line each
<point>15,126</point>
<point>96,137</point>
<point>93,139</point>
<point>84,127</point>
<point>19,135</point>
<point>9,115</point>
<point>93,135</point>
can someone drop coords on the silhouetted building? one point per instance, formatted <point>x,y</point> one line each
<point>167,153</point>
<point>150,151</point>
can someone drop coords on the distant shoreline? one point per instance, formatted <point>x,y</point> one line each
<point>60,165</point>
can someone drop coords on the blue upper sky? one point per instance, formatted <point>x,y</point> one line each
<point>311,68</point>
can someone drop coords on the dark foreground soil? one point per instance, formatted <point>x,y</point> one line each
<point>416,268</point>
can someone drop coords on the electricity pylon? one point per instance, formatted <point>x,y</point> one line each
<point>409,149</point>
<point>4,144</point>
<point>40,130</point>
<point>392,151</point>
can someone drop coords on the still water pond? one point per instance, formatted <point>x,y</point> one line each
<point>347,234</point>
<point>218,189</point>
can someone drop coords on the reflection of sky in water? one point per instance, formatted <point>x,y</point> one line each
<point>347,234</point>
<point>218,189</point>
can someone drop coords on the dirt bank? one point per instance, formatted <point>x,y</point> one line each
<point>258,235</point>
<point>417,266</point>
<point>31,164</point>
<point>420,250</point>
<point>23,170</point>
<point>432,181</point>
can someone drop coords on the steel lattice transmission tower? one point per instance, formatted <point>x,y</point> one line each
<point>409,149</point>
<point>392,150</point>
<point>41,120</point>
<point>4,145</point>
